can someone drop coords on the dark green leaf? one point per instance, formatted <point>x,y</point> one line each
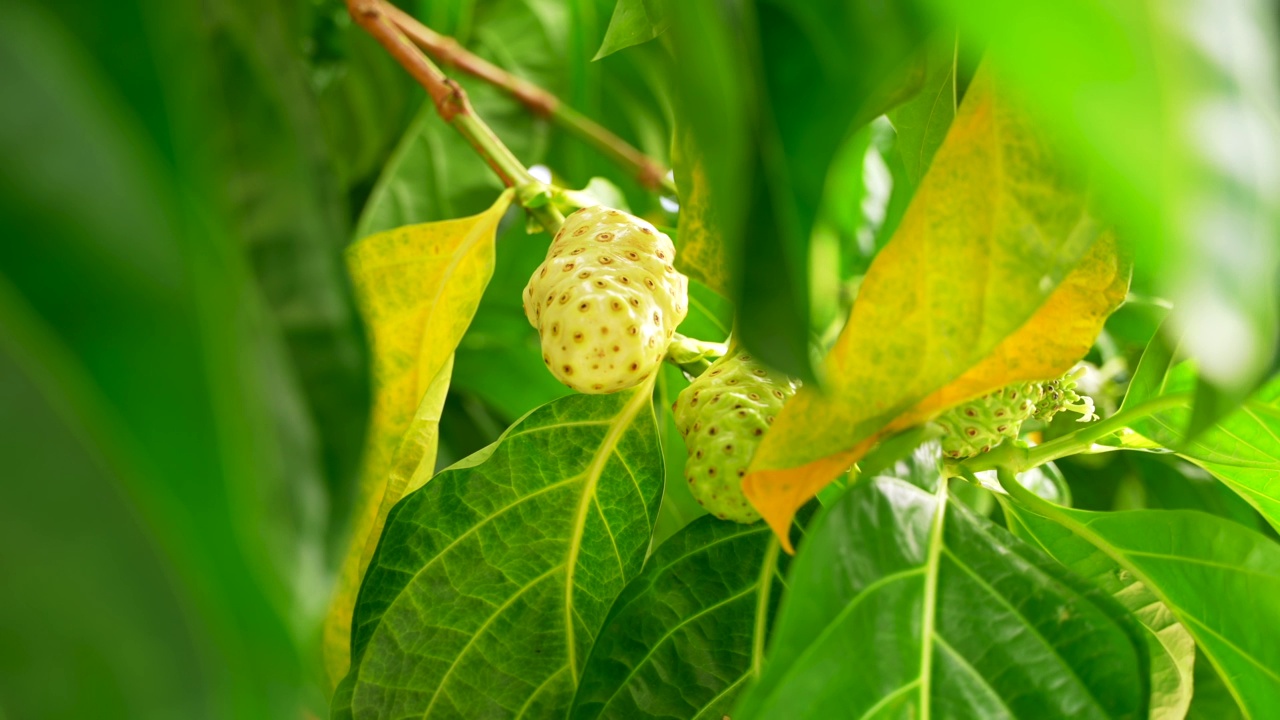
<point>1220,580</point>
<point>1161,482</point>
<point>1169,645</point>
<point>294,223</point>
<point>162,510</point>
<point>922,122</point>
<point>492,581</point>
<point>688,634</point>
<point>1212,699</point>
<point>804,77</point>
<point>904,603</point>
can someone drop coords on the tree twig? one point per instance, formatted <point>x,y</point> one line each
<point>649,172</point>
<point>452,105</point>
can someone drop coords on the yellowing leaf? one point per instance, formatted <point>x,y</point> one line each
<point>969,295</point>
<point>417,287</point>
<point>701,253</point>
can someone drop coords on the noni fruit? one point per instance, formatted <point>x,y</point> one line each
<point>606,300</point>
<point>722,415</point>
<point>978,425</point>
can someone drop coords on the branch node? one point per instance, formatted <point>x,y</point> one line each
<point>367,9</point>
<point>453,101</point>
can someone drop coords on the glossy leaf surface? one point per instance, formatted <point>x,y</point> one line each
<point>1220,580</point>
<point>1242,448</point>
<point>417,288</point>
<point>996,216</point>
<point>1170,647</point>
<point>688,635</point>
<point>905,604</point>
<point>492,581</point>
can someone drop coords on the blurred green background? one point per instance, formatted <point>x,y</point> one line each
<point>183,386</point>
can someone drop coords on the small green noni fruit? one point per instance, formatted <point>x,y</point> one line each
<point>723,415</point>
<point>978,425</point>
<point>606,300</point>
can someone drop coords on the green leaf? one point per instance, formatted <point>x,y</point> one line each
<point>765,115</point>
<point>1159,100</point>
<point>500,358</point>
<point>633,22</point>
<point>923,121</point>
<point>1169,645</point>
<point>1212,699</point>
<point>294,222</point>
<point>1241,449</point>
<point>688,635</point>
<point>161,513</point>
<point>504,566</point>
<point>1220,580</point>
<point>904,603</point>
<point>1160,482</point>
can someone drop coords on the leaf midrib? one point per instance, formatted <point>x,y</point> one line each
<point>598,462</point>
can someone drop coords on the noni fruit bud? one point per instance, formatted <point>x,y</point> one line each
<point>606,300</point>
<point>978,425</point>
<point>1061,394</point>
<point>723,415</point>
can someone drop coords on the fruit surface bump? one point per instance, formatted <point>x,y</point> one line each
<point>606,300</point>
<point>723,415</point>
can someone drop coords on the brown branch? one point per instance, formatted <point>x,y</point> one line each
<point>649,172</point>
<point>450,53</point>
<point>450,101</point>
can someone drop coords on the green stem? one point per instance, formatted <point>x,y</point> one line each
<point>508,167</point>
<point>1020,459</point>
<point>647,171</point>
<point>692,355</point>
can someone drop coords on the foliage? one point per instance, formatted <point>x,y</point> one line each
<point>281,442</point>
